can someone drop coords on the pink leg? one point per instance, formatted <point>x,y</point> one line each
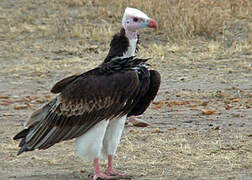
<point>110,170</point>
<point>97,172</point>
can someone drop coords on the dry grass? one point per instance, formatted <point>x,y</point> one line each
<point>35,26</point>
<point>201,48</point>
<point>174,154</point>
<point>145,155</point>
<point>78,24</point>
<point>179,19</point>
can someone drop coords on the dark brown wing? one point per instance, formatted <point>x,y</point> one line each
<point>59,86</point>
<point>148,97</point>
<point>83,103</point>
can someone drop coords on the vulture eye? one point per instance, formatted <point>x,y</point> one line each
<point>135,19</point>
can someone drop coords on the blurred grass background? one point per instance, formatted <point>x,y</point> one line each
<point>199,44</point>
<point>177,19</point>
<point>77,30</point>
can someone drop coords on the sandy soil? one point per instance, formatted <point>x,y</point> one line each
<point>200,123</point>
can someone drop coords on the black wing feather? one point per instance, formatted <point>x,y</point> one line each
<point>72,114</point>
<point>119,87</point>
<point>59,86</point>
<point>147,97</point>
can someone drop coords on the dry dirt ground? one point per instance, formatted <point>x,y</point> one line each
<point>200,122</point>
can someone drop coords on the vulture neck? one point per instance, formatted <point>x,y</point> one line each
<point>123,45</point>
<point>131,51</point>
<point>131,34</point>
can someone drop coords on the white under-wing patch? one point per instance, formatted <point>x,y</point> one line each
<point>89,145</point>
<point>112,136</point>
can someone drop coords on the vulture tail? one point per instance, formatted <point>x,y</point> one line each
<point>36,117</point>
<point>21,134</point>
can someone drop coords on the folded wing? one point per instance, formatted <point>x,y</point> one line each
<point>84,100</point>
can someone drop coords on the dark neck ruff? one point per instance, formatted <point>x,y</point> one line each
<point>119,45</point>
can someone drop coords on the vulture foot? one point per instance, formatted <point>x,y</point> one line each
<point>101,176</point>
<point>111,172</point>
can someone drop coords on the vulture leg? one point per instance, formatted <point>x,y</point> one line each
<point>111,142</point>
<point>97,173</point>
<point>110,170</point>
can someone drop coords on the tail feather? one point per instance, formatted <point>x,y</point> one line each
<point>22,143</point>
<point>36,117</point>
<point>23,149</point>
<point>21,134</point>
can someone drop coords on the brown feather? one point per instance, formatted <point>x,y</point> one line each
<point>59,86</point>
<point>80,106</point>
<point>113,89</point>
<point>146,99</point>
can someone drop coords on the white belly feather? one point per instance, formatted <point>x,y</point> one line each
<point>112,136</point>
<point>101,140</point>
<point>89,145</point>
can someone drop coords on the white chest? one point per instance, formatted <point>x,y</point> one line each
<point>131,49</point>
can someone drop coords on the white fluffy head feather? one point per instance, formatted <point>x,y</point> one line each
<point>133,12</point>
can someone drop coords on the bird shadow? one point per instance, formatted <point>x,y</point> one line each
<point>66,176</point>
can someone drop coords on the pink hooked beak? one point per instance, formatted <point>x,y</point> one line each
<point>152,24</point>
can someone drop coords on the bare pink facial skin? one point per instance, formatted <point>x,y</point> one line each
<point>134,19</point>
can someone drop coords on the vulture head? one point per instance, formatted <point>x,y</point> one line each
<point>134,19</point>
